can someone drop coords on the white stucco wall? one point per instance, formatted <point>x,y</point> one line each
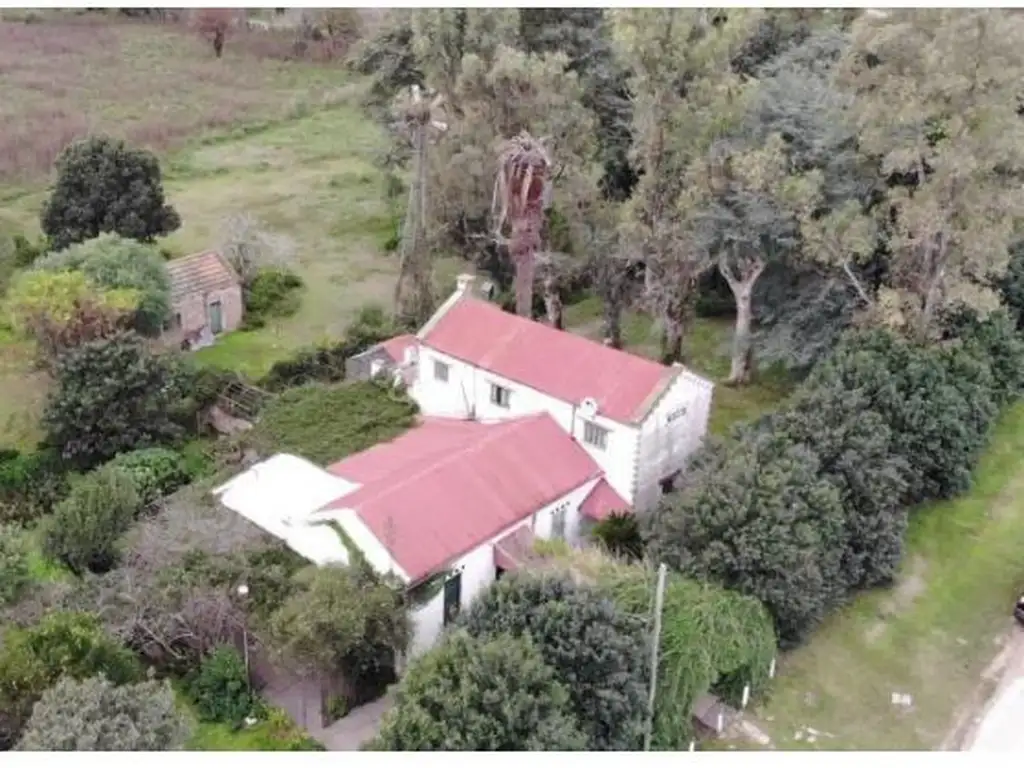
<point>468,387</point>
<point>478,567</point>
<point>664,444</point>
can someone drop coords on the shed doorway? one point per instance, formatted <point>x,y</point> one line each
<point>216,317</point>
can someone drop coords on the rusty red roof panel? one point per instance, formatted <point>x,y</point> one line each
<point>446,487</point>
<point>602,501</point>
<point>554,362</point>
<point>199,273</point>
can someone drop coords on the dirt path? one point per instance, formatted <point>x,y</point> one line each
<point>998,677</point>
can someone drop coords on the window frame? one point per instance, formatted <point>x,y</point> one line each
<point>496,390</point>
<point>558,521</point>
<point>440,365</point>
<point>591,429</point>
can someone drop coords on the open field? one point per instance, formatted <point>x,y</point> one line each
<point>930,637</point>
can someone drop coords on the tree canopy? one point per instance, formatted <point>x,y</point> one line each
<point>103,185</point>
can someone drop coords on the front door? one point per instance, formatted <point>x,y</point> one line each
<point>216,317</point>
<point>452,598</point>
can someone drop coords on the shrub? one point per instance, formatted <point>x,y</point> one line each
<point>993,340</point>
<point>220,689</point>
<point>758,518</point>
<point>69,645</point>
<point>273,293</point>
<point>85,530</point>
<point>598,652</point>
<point>95,715</point>
<point>157,472</point>
<point>103,185</point>
<point>115,263</point>
<point>26,252</point>
<point>619,533</point>
<point>30,485</point>
<point>326,423</point>
<point>486,696</point>
<point>15,575</point>
<point>111,396</point>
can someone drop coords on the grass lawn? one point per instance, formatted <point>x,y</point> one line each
<point>275,733</point>
<point>709,349</point>
<point>931,636</point>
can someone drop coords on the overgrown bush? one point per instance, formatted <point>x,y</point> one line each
<point>85,530</point>
<point>325,423</point>
<point>15,575</point>
<point>476,695</point>
<point>98,716</point>
<point>273,293</point>
<point>598,652</point>
<point>220,689</point>
<point>30,484</point>
<point>619,533</point>
<point>157,472</point>
<point>994,340</point>
<point>71,645</point>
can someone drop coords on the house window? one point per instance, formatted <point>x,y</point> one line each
<point>595,435</point>
<point>452,598</point>
<point>678,413</point>
<point>558,520</point>
<point>500,396</point>
<point>440,371</point>
<point>177,321</point>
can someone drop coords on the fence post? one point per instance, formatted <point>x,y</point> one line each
<point>771,670</point>
<point>746,696</point>
<point>659,601</point>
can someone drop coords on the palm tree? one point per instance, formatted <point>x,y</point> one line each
<point>522,191</point>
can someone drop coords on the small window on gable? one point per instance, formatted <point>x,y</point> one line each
<point>501,396</point>
<point>675,415</point>
<point>440,371</point>
<point>595,435</point>
<point>558,520</point>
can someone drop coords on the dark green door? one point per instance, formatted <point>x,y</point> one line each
<point>452,598</point>
<point>216,317</point>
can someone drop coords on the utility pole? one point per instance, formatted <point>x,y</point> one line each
<point>659,602</point>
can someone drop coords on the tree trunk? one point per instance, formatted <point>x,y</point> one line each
<point>672,340</point>
<point>742,349</point>
<point>525,270</point>
<point>218,43</point>
<point>611,328</point>
<point>552,303</point>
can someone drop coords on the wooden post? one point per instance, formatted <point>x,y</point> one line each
<point>719,723</point>
<point>771,670</point>
<point>746,696</point>
<point>659,601</point>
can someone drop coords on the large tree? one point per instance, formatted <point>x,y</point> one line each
<point>95,715</point>
<point>598,651</point>
<point>113,395</point>
<point>116,263</point>
<point>684,96</point>
<point>481,696</point>
<point>936,96</point>
<point>103,185</point>
<point>757,517</point>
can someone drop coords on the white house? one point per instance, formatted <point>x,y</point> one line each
<point>526,432</point>
<point>638,419</point>
<point>451,501</point>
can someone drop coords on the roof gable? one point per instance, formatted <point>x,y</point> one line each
<point>563,365</point>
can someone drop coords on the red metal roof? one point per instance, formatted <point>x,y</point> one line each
<point>446,487</point>
<point>602,501</point>
<point>512,549</point>
<point>555,362</point>
<point>396,347</point>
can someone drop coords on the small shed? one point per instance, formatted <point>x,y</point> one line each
<point>395,357</point>
<point>206,299</point>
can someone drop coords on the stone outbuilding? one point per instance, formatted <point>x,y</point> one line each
<point>206,300</point>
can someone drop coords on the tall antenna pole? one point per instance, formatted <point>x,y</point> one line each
<point>659,603</point>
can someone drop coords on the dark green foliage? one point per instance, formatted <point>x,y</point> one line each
<point>96,716</point>
<point>30,484</point>
<point>619,533</point>
<point>326,423</point>
<point>15,575</point>
<point>273,293</point>
<point>111,396</point>
<point>1011,285</point>
<point>85,529</point>
<point>327,363</point>
<point>993,340</point>
<point>26,251</point>
<point>488,696</point>
<point>597,651</point>
<point>854,446</point>
<point>113,262</point>
<point>220,689</point>
<point>103,185</point>
<point>389,58</point>
<point>62,645</point>
<point>157,472</point>
<point>758,518</point>
<point>937,420</point>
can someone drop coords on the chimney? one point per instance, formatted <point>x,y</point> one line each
<point>464,283</point>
